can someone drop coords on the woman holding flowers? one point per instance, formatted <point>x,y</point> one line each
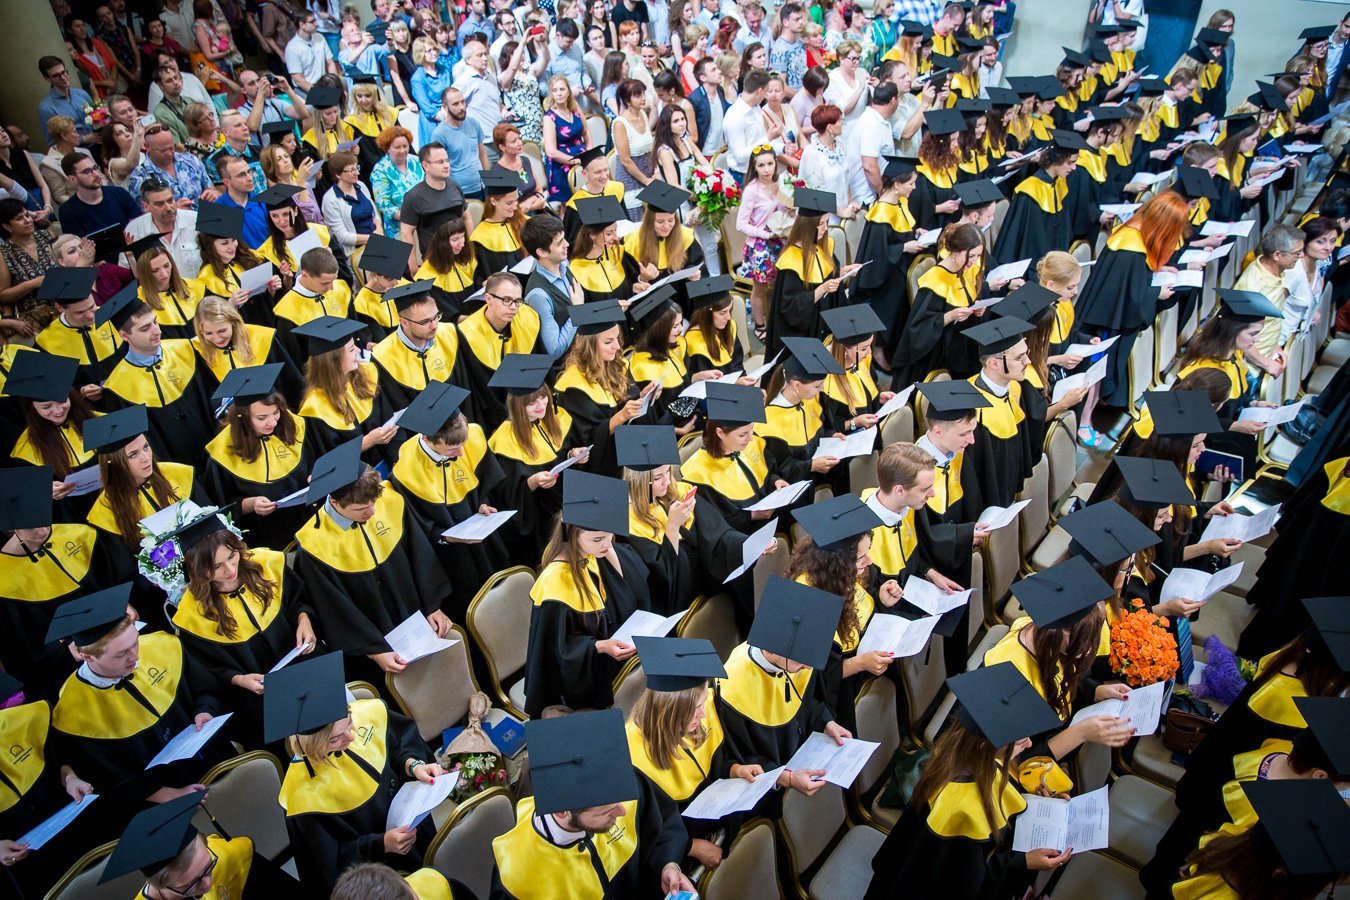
<point>762,205</point>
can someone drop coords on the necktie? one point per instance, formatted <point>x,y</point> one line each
<point>88,343</point>
<point>1185,650</point>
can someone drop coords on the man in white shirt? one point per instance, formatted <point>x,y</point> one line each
<point>990,70</point>
<point>307,55</point>
<point>177,17</point>
<point>869,140</point>
<point>177,227</point>
<point>753,31</point>
<point>743,125</point>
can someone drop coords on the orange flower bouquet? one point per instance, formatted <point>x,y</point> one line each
<point>1143,651</point>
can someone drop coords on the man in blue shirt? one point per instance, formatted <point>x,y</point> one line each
<point>463,140</point>
<point>476,22</point>
<point>565,59</point>
<point>237,179</point>
<point>63,100</point>
<point>550,290</point>
<point>94,206</point>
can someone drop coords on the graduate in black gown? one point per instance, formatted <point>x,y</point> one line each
<point>661,245</point>
<point>1002,454</point>
<point>503,325</point>
<point>496,239</point>
<point>588,586</point>
<point>951,514</point>
<point>794,426</point>
<point>342,394</point>
<point>888,244</point>
<point>365,560</point>
<point>711,342</point>
<point>1039,218</point>
<point>1090,180</point>
<point>74,331</point>
<point>933,202</point>
<point>1207,56</point>
<point>658,511</point>
<point>317,292</point>
<point>955,837</point>
<point>446,472</point>
<point>933,335</point>
<point>596,828</point>
<point>850,400</point>
<point>384,264</point>
<point>348,761</point>
<point>810,278</point>
<point>596,258</point>
<point>422,349</point>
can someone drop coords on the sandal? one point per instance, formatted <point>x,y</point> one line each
<point>1092,438</point>
<point>761,333</point>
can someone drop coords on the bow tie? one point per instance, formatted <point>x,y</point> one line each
<point>122,682</point>
<point>734,455</point>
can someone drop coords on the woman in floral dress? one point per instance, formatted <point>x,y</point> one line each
<point>565,138</point>
<point>519,79</point>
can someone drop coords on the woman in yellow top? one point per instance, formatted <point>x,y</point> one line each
<point>955,836</point>
<point>226,342</point>
<point>661,245</point>
<point>849,400</point>
<point>163,289</point>
<point>711,343</point>
<point>834,558</point>
<point>451,265</point>
<point>596,258</point>
<point>342,394</point>
<point>225,257</point>
<point>370,115</point>
<point>285,223</point>
<point>54,416</point>
<point>496,239</point>
<point>933,335</point>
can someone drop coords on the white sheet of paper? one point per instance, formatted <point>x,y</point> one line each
<point>1271,417</point>
<point>728,795</point>
<point>188,741</point>
<point>303,243</point>
<point>571,461</point>
<point>859,443</point>
<point>1265,179</point>
<point>986,302</point>
<point>997,517</point>
<point>763,370</point>
<point>645,624</point>
<point>1189,278</point>
<point>1198,585</point>
<point>646,403</point>
<point>841,763</point>
<point>255,280</point>
<point>1095,373</point>
<point>932,599</point>
<point>1237,527</point>
<point>1121,210</point>
<point>393,420</point>
<point>1240,228</point>
<point>845,278</point>
<point>1051,823</point>
<point>479,525</point>
<point>416,799</point>
<point>896,403</point>
<point>753,548</point>
<point>414,638</point>
<point>295,499</point>
<point>897,635</point>
<point>86,481</point>
<point>781,497</point>
<point>290,657</point>
<point>1143,708</point>
<point>1086,350</point>
<point>1147,178</point>
<point>166,519</point>
<point>1008,271</point>
<point>1331,114</point>
<point>625,227</point>
<point>999,179</point>
<point>1193,256</point>
<point>524,267</point>
<point>56,822</point>
<point>699,389</point>
<point>930,238</point>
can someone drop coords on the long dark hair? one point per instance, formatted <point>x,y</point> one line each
<point>961,752</point>
<point>1250,864</point>
<point>245,443</point>
<point>1067,652</point>
<point>46,437</point>
<point>199,562</point>
<point>655,340</point>
<point>274,235</point>
<point>1217,340</point>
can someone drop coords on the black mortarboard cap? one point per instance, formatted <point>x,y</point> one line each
<point>110,433</point>
<point>589,156</point>
<point>598,212</point>
<point>1151,85</point>
<point>651,307</point>
<point>248,385</point>
<point>386,256</point>
<point>120,307</point>
<point>999,703</point>
<point>1177,413</point>
<point>26,498</point>
<point>1307,821</point>
<point>999,335</point>
<point>66,284</point>
<point>796,621</point>
<point>141,245</point>
<point>1001,96</point>
<point>1331,620</point>
<point>198,530</point>
<point>580,761</point>
<point>1200,54</point>
<point>978,193</point>
<point>323,98</point>
<point>433,406</point>
<point>1328,721</point>
<point>1128,24</point>
<point>663,197</point>
<point>943,64</point>
<point>1268,96</point>
<point>1070,140</point>
<point>646,447</point>
<point>1059,596</point>
<point>1106,533</point>
<point>220,221</point>
<point>1099,52</point>
<point>1246,306</point>
<point>815,203</point>
<point>9,686</point>
<point>969,44</point>
<point>951,400</point>
<point>1316,33</point>
<point>735,404</point>
<point>1212,36</point>
<point>1195,184</point>
<point>1024,85</point>
<point>1028,303</point>
<point>678,664</point>
<point>1050,88</point>
<point>595,502</point>
<point>335,470</point>
<point>944,121</point>
<point>410,294</point>
<point>910,27</point>
<point>1240,122</point>
<point>836,520</point>
<point>153,838</point>
<point>709,288</point>
<point>852,324</point>
<point>41,376</point>
<point>809,358</point>
<point>898,166</point>
<point>597,316</point>
<point>363,78</point>
<point>1105,29</point>
<point>88,618</point>
<point>1109,113</point>
<point>327,333</point>
<point>1152,483</point>
<point>1074,58</point>
<point>521,373</point>
<point>285,126</point>
<point>305,696</point>
<point>278,195</point>
<point>497,182</point>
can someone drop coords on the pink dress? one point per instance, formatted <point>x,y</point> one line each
<point>762,246</point>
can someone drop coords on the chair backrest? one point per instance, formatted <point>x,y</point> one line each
<point>980,608</point>
<point>81,880</point>
<point>990,638</point>
<point>898,426</point>
<point>499,620</point>
<point>597,129</point>
<point>363,690</point>
<point>407,119</point>
<point>1141,366</point>
<point>853,229</point>
<point>733,249</point>
<point>742,320</point>
<point>243,799</point>
<point>475,208</point>
<point>615,167</point>
<point>1003,557</point>
<point>749,869</point>
<point>628,687</point>
<point>775,563</point>
<point>841,248</point>
<point>713,618</point>
<point>921,402</point>
<point>920,265</point>
<point>462,849</point>
<point>1000,211</point>
<point>435,689</point>
<point>923,675</point>
<point>535,154</point>
<point>689,446</point>
<point>862,472</point>
<point>1165,341</point>
<point>1035,516</point>
<point>1081,251</point>
<point>1062,455</point>
<point>877,722</point>
<point>809,825</point>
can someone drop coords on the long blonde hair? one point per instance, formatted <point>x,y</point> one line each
<point>216,310</point>
<point>573,107</point>
<point>662,718</point>
<point>313,748</point>
<point>612,376</point>
<point>323,373</point>
<point>383,113</point>
<point>649,244</point>
<point>641,504</point>
<point>522,429</point>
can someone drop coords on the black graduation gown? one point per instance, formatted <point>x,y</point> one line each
<point>836,409</point>
<point>325,428</point>
<point>882,284</point>
<point>1002,455</point>
<point>481,348</point>
<point>701,355</point>
<point>452,288</point>
<point>266,350</point>
<point>294,309</point>
<point>927,343</point>
<point>841,692</point>
<point>1039,220</point>
<point>562,665</point>
<point>380,316</point>
<point>1035,405</point>
<point>74,561</point>
<point>1118,298</point>
<point>404,372</point>
<point>793,308</point>
<point>97,349</point>
<point>177,394</point>
<point>669,571</point>
<point>733,483</point>
<point>495,246</point>
<point>693,258</point>
<point>443,494</point>
<point>526,531</point>
<point>365,581</point>
<point>1090,186</point>
<point>950,517</point>
<point>336,814</point>
<point>603,278</point>
<point>791,436</point>
<point>932,190</point>
<point>591,408</point>
<point>279,471</point>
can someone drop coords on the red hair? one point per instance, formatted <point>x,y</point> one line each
<point>1163,222</point>
<point>825,115</point>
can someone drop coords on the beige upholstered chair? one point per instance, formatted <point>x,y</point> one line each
<point>435,690</point>
<point>242,798</point>
<point>462,848</point>
<point>499,621</point>
<point>81,881</point>
<point>750,868</point>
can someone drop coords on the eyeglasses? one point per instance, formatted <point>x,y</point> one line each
<point>422,322</point>
<point>853,58</point>
<point>196,882</point>
<point>509,301</point>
